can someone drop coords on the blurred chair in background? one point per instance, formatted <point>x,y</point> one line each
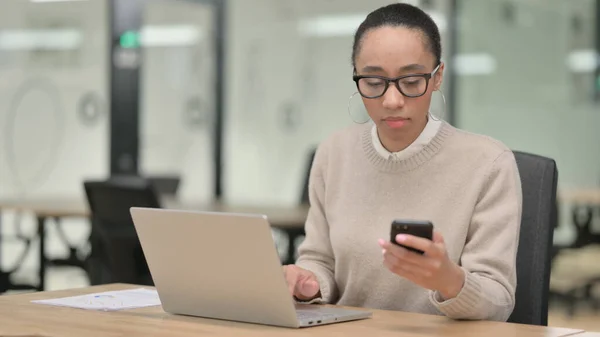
<point>293,235</point>
<point>304,199</point>
<point>296,235</point>
<point>116,254</point>
<point>163,185</point>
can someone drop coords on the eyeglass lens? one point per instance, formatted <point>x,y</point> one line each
<point>409,86</point>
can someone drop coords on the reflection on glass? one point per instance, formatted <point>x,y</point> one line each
<point>526,77</point>
<point>178,96</point>
<point>54,125</point>
<point>289,77</point>
<point>53,97</point>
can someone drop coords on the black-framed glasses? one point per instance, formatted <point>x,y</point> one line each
<point>413,85</point>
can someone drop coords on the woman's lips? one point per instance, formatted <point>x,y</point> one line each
<point>395,122</point>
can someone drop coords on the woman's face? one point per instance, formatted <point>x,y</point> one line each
<point>394,52</point>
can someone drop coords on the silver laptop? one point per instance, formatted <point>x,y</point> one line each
<point>223,266</point>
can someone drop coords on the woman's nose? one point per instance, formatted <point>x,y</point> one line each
<point>393,99</point>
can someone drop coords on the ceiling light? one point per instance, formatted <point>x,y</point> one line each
<point>346,25</point>
<point>474,64</point>
<point>50,1</point>
<point>330,26</point>
<point>36,39</point>
<point>170,35</point>
<point>583,60</point>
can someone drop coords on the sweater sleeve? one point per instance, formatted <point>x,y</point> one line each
<point>489,256</point>
<point>315,252</point>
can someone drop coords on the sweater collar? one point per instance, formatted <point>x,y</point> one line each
<point>409,163</point>
<point>431,128</point>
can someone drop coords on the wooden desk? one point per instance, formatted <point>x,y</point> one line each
<point>289,219</point>
<point>280,217</point>
<point>20,317</point>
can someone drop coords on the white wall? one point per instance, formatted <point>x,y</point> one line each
<point>273,68</point>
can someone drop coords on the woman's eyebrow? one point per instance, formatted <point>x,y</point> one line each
<point>413,67</point>
<point>372,69</point>
<point>409,67</point>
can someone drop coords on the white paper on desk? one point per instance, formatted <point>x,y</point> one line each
<point>108,301</point>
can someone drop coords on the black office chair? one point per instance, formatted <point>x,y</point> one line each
<point>295,234</point>
<point>539,177</point>
<point>116,254</point>
<point>163,185</point>
<point>309,162</point>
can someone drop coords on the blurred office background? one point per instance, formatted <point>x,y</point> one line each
<point>232,96</point>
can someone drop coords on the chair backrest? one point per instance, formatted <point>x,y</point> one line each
<point>115,245</point>
<point>111,200</point>
<point>539,177</point>
<point>309,162</point>
<point>163,185</point>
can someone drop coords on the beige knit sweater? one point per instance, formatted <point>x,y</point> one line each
<point>466,184</point>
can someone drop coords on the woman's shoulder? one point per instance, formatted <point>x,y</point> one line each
<point>473,143</point>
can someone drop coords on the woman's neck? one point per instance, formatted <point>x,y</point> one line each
<point>402,140</point>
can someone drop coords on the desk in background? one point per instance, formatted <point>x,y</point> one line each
<point>585,206</point>
<point>20,317</point>
<point>580,195</point>
<point>288,219</point>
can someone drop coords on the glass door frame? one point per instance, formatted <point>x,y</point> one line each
<point>125,21</point>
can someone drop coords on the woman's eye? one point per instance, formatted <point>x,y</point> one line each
<point>411,82</point>
<point>374,83</point>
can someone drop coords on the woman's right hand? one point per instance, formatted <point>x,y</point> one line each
<point>303,284</point>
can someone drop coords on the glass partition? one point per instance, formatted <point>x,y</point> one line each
<point>289,78</point>
<point>526,77</point>
<point>53,97</point>
<point>54,121</point>
<point>178,95</point>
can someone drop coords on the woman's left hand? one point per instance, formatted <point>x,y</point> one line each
<point>433,270</point>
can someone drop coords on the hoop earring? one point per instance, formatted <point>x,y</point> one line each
<point>350,114</point>
<point>444,115</point>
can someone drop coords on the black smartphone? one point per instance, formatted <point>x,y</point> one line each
<point>423,229</point>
